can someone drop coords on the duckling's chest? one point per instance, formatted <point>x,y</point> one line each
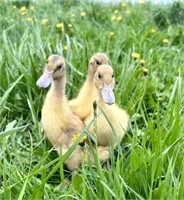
<point>55,119</point>
<point>105,126</point>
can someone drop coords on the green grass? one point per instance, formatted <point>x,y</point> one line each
<point>149,163</point>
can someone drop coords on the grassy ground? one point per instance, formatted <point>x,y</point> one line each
<point>149,164</point>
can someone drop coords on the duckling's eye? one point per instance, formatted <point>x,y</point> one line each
<point>98,63</point>
<point>113,76</point>
<point>47,62</point>
<point>100,76</point>
<point>59,67</point>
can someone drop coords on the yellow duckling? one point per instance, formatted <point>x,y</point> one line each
<point>104,83</point>
<point>59,123</point>
<point>82,104</point>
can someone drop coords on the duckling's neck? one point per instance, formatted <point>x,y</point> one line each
<point>100,100</point>
<point>58,87</point>
<point>90,76</point>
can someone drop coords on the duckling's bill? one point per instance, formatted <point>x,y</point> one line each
<point>108,94</point>
<point>45,80</point>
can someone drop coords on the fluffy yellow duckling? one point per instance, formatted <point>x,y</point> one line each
<point>82,104</point>
<point>59,122</point>
<point>104,83</point>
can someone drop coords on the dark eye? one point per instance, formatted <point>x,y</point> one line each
<point>98,63</point>
<point>47,61</point>
<point>59,67</point>
<point>100,76</point>
<point>113,76</point>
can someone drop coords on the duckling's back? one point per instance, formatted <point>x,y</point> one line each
<point>82,105</point>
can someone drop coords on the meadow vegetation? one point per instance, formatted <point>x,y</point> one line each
<point>145,44</point>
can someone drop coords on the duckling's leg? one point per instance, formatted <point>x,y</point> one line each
<point>103,153</point>
<point>74,161</point>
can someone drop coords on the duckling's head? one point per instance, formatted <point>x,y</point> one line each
<point>55,69</point>
<point>104,82</point>
<point>96,60</point>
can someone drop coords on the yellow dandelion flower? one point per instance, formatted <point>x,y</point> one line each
<point>23,9</point>
<point>30,19</point>
<point>82,142</point>
<point>65,48</point>
<point>113,18</point>
<point>84,138</point>
<point>23,13</point>
<point>165,41</point>
<point>142,61</point>
<point>123,4</point>
<point>59,25</point>
<point>32,8</point>
<point>119,18</point>
<point>135,55</point>
<point>111,34</point>
<point>128,11</point>
<point>141,2</point>
<point>44,21</point>
<point>14,7</point>
<point>116,11</point>
<point>145,71</point>
<point>152,30</point>
<point>83,14</point>
<point>70,25</point>
<point>75,136</point>
<point>73,15</point>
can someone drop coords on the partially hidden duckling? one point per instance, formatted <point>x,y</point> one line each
<point>59,122</point>
<point>82,104</point>
<point>104,83</point>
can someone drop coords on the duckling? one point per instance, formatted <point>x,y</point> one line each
<point>59,122</point>
<point>104,83</point>
<point>82,104</point>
